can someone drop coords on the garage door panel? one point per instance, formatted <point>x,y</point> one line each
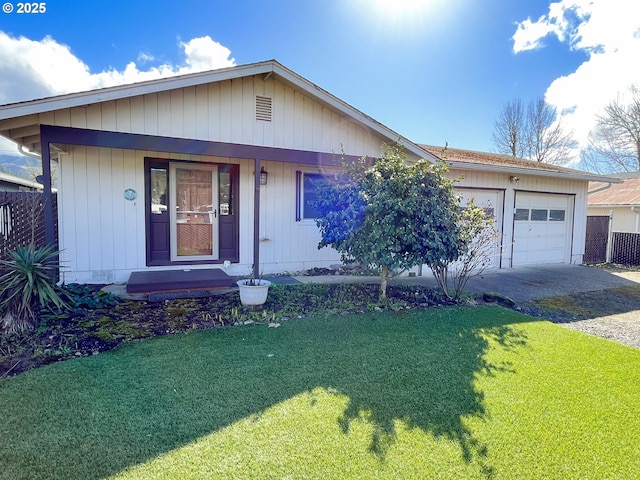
<point>541,230</point>
<point>492,201</point>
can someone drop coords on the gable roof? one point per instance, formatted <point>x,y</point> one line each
<point>472,160</point>
<point>621,194</point>
<point>27,111</point>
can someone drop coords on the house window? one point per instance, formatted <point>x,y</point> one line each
<point>307,186</point>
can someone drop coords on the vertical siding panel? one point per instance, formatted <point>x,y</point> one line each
<point>213,101</point>
<point>82,199</point>
<point>104,213</point>
<point>201,113</point>
<point>62,117</point>
<point>298,122</point>
<point>307,123</point>
<point>137,115</point>
<point>236,111</point>
<point>151,115</point>
<point>279,114</point>
<point>118,227</point>
<point>78,117</point>
<point>248,109</point>
<point>132,224</point>
<point>164,113</point>
<point>123,115</point>
<point>47,118</point>
<point>225,111</point>
<point>177,115</point>
<point>94,116</point>
<point>268,127</point>
<point>189,126</point>
<point>109,116</point>
<point>326,144</point>
<point>66,215</point>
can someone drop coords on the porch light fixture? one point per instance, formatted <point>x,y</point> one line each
<point>514,179</point>
<point>263,176</point>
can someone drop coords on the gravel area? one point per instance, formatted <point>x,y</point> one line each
<point>613,314</point>
<point>621,328</point>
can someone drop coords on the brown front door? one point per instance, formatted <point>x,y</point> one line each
<point>191,212</point>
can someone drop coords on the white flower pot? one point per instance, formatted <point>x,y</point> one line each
<point>252,295</point>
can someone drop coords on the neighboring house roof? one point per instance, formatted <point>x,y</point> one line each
<point>621,194</point>
<point>27,133</point>
<point>7,179</point>
<point>471,160</point>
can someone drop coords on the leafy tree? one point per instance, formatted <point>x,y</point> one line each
<point>614,145</point>
<point>536,134</point>
<point>391,214</point>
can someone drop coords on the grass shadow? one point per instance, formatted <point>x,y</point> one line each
<point>99,416</point>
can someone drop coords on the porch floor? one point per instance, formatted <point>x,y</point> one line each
<point>154,281</point>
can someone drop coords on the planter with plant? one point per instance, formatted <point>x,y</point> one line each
<point>253,291</point>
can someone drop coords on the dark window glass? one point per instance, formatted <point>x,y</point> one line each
<point>311,183</point>
<point>225,193</point>
<point>522,214</point>
<point>556,215</point>
<point>538,215</point>
<point>158,190</point>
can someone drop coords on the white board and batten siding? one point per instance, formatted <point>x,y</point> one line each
<point>102,235</point>
<point>226,112</point>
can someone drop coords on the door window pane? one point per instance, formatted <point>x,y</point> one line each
<point>158,190</point>
<point>538,215</point>
<point>556,215</point>
<point>522,214</point>
<point>226,194</point>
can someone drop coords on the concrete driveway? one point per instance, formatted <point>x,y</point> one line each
<point>520,284</point>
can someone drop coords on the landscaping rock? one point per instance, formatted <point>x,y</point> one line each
<point>502,300</point>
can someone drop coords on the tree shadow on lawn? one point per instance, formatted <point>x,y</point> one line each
<point>126,410</point>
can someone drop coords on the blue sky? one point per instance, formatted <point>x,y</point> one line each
<point>434,71</point>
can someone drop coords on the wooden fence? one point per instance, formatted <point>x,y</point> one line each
<point>22,220</point>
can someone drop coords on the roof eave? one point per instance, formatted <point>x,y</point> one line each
<point>32,107</point>
<point>530,171</point>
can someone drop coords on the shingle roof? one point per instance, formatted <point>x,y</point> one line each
<point>458,158</point>
<point>627,193</point>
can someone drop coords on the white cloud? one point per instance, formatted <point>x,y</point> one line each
<point>609,32</point>
<point>40,68</point>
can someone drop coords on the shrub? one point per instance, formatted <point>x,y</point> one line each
<point>85,296</point>
<point>27,285</point>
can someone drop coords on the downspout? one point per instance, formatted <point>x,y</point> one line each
<point>636,210</point>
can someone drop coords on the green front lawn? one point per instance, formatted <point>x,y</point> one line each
<point>458,392</point>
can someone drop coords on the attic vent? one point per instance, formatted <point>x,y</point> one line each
<point>263,108</point>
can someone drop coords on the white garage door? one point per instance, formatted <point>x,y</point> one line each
<point>542,228</point>
<point>492,202</point>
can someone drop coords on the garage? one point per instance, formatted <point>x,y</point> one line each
<point>492,201</point>
<point>542,226</point>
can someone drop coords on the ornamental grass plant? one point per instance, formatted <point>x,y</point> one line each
<point>27,285</point>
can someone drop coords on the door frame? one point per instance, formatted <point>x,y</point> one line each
<point>228,225</point>
<point>172,205</point>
